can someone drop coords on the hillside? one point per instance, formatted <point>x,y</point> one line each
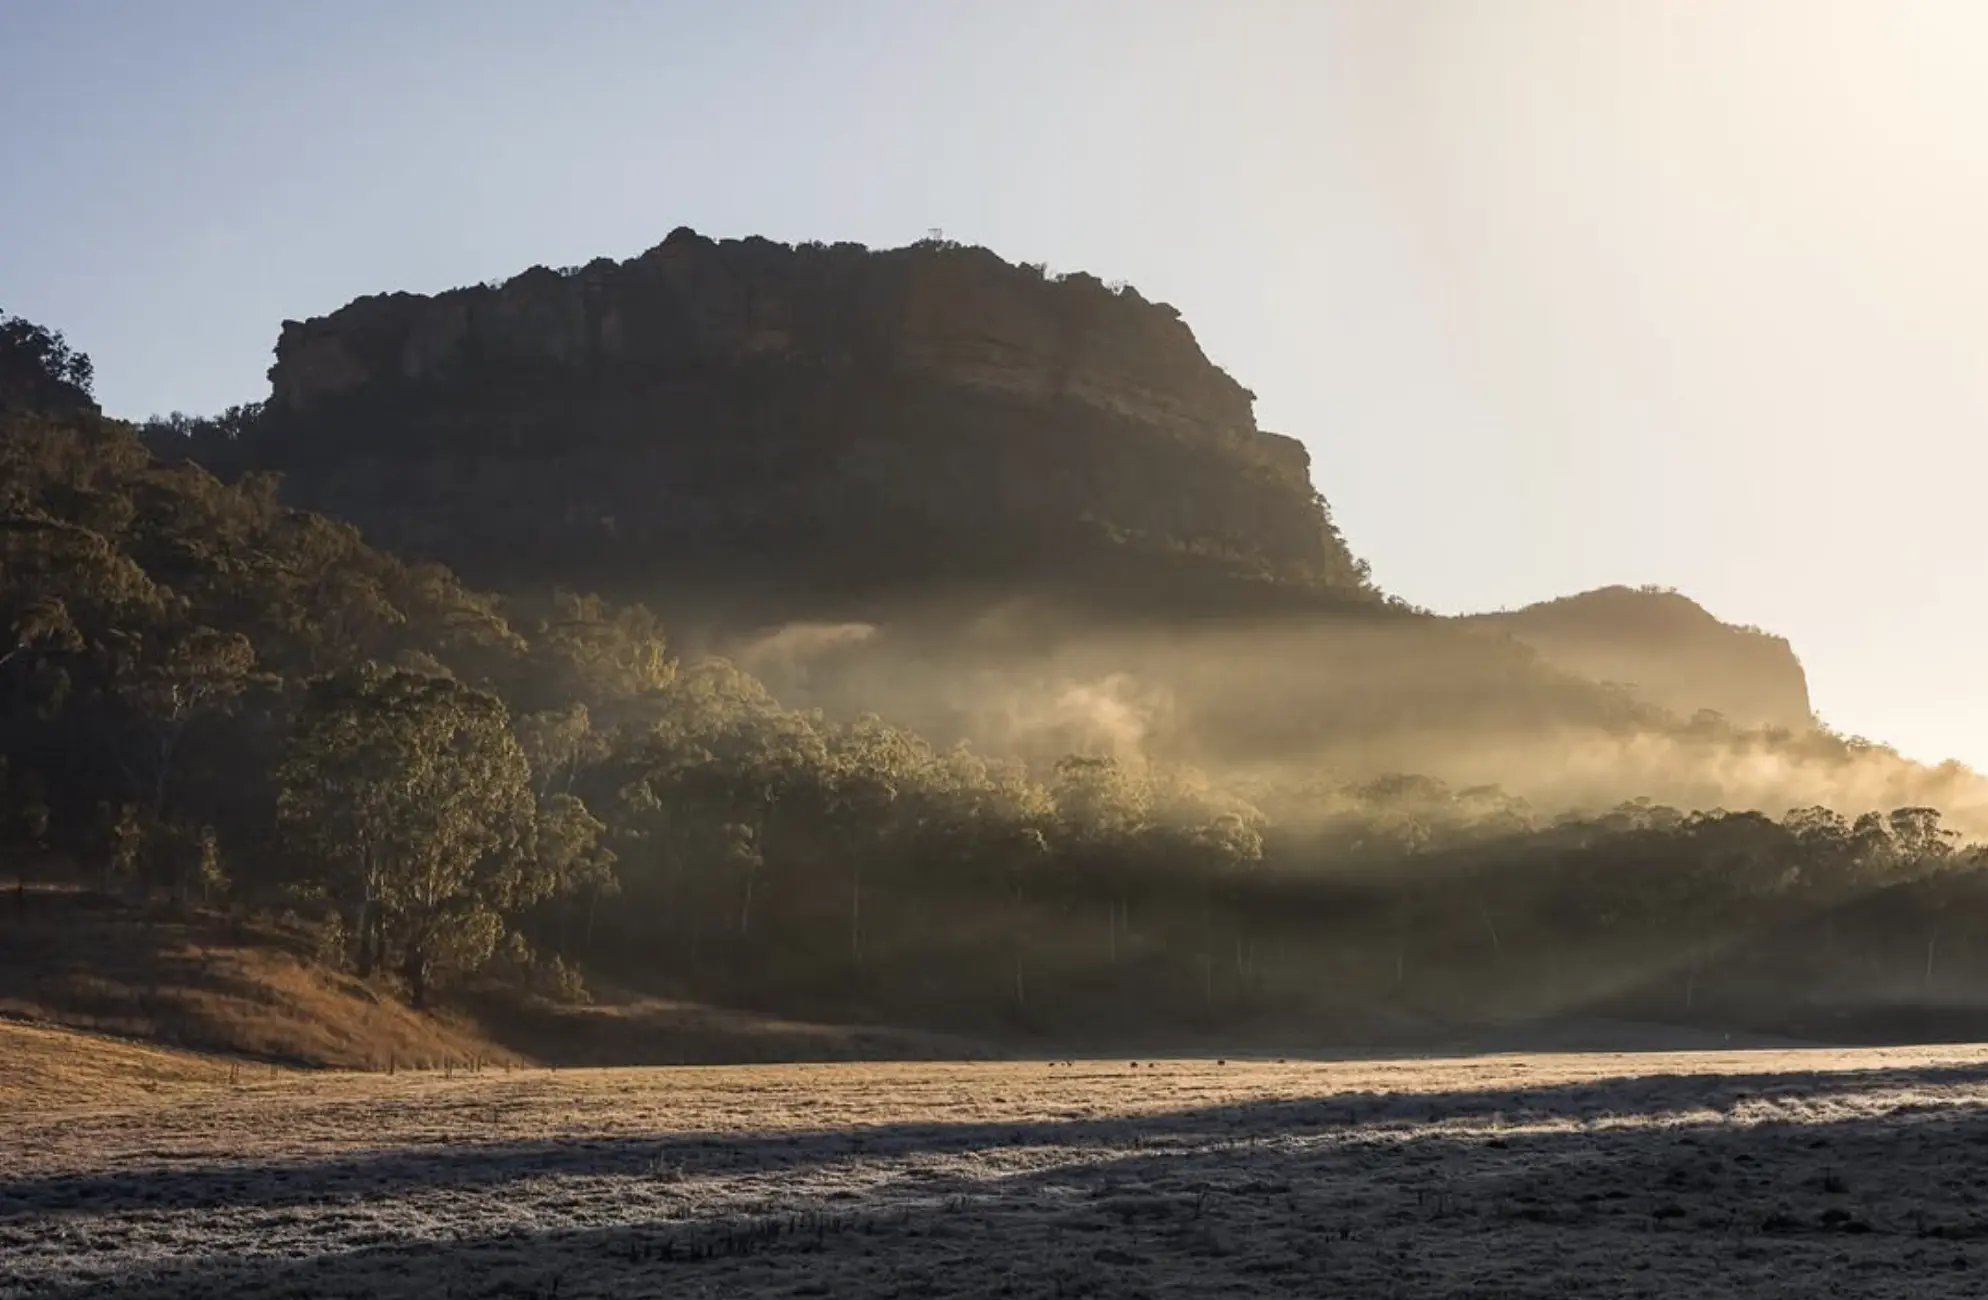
<point>46,1067</point>
<point>1273,809</point>
<point>85,978</point>
<point>249,990</point>
<point>1667,650</point>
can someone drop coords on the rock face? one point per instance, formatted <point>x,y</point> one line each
<point>813,414</point>
<point>1668,650</point>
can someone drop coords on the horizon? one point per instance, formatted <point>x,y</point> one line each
<point>1559,298</point>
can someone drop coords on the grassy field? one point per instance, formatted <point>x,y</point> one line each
<point>1787,1173</point>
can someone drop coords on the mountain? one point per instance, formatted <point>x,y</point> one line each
<point>1668,650</point>
<point>819,427</point>
<point>209,696</point>
<point>747,434</point>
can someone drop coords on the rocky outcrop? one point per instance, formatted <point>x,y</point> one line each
<point>691,305</point>
<point>1668,650</point>
<point>790,414</point>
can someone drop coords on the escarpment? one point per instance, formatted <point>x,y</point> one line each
<point>813,420</point>
<point>744,433</point>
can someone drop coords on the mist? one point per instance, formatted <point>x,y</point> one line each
<point>1282,708</point>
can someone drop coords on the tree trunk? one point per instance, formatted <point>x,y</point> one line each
<point>856,917</point>
<point>159,784</point>
<point>745,910</point>
<point>415,969</point>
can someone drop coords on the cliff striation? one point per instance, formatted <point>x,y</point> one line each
<point>821,417</point>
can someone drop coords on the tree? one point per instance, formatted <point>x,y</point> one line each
<point>600,652</point>
<point>187,675</point>
<point>44,622</point>
<point>721,774</point>
<point>24,815</point>
<point>870,765</point>
<point>572,859</point>
<point>412,790</point>
<point>39,371</point>
<point>1100,809</point>
<point>560,744</point>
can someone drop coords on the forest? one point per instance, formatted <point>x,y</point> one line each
<point>210,700</point>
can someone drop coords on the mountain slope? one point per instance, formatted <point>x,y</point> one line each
<point>1668,650</point>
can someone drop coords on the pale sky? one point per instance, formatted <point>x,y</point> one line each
<point>1560,293</point>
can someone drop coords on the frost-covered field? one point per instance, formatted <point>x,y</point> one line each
<point>1703,1174</point>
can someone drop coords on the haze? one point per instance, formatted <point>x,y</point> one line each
<point>1559,294</point>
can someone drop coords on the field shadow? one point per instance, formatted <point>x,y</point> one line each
<point>366,1174</point>
<point>1255,1198</point>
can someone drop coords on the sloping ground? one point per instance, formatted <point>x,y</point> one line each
<point>638,1030</point>
<point>44,1066</point>
<point>1670,650</point>
<point>1773,1173</point>
<point>204,982</point>
<point>252,990</point>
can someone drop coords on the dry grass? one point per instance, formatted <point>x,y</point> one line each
<point>45,1068</point>
<point>201,982</point>
<point>254,990</point>
<point>630,1029</point>
<point>1788,1173</point>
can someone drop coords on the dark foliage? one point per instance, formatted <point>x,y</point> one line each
<point>39,371</point>
<point>207,695</point>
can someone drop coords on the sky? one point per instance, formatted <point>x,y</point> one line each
<point>1560,293</point>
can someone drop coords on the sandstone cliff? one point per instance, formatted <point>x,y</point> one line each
<point>791,416</point>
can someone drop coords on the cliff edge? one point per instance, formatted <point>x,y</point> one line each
<point>821,417</point>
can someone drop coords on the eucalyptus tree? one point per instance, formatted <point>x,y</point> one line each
<point>416,798</point>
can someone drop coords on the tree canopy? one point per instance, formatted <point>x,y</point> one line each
<point>205,695</point>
